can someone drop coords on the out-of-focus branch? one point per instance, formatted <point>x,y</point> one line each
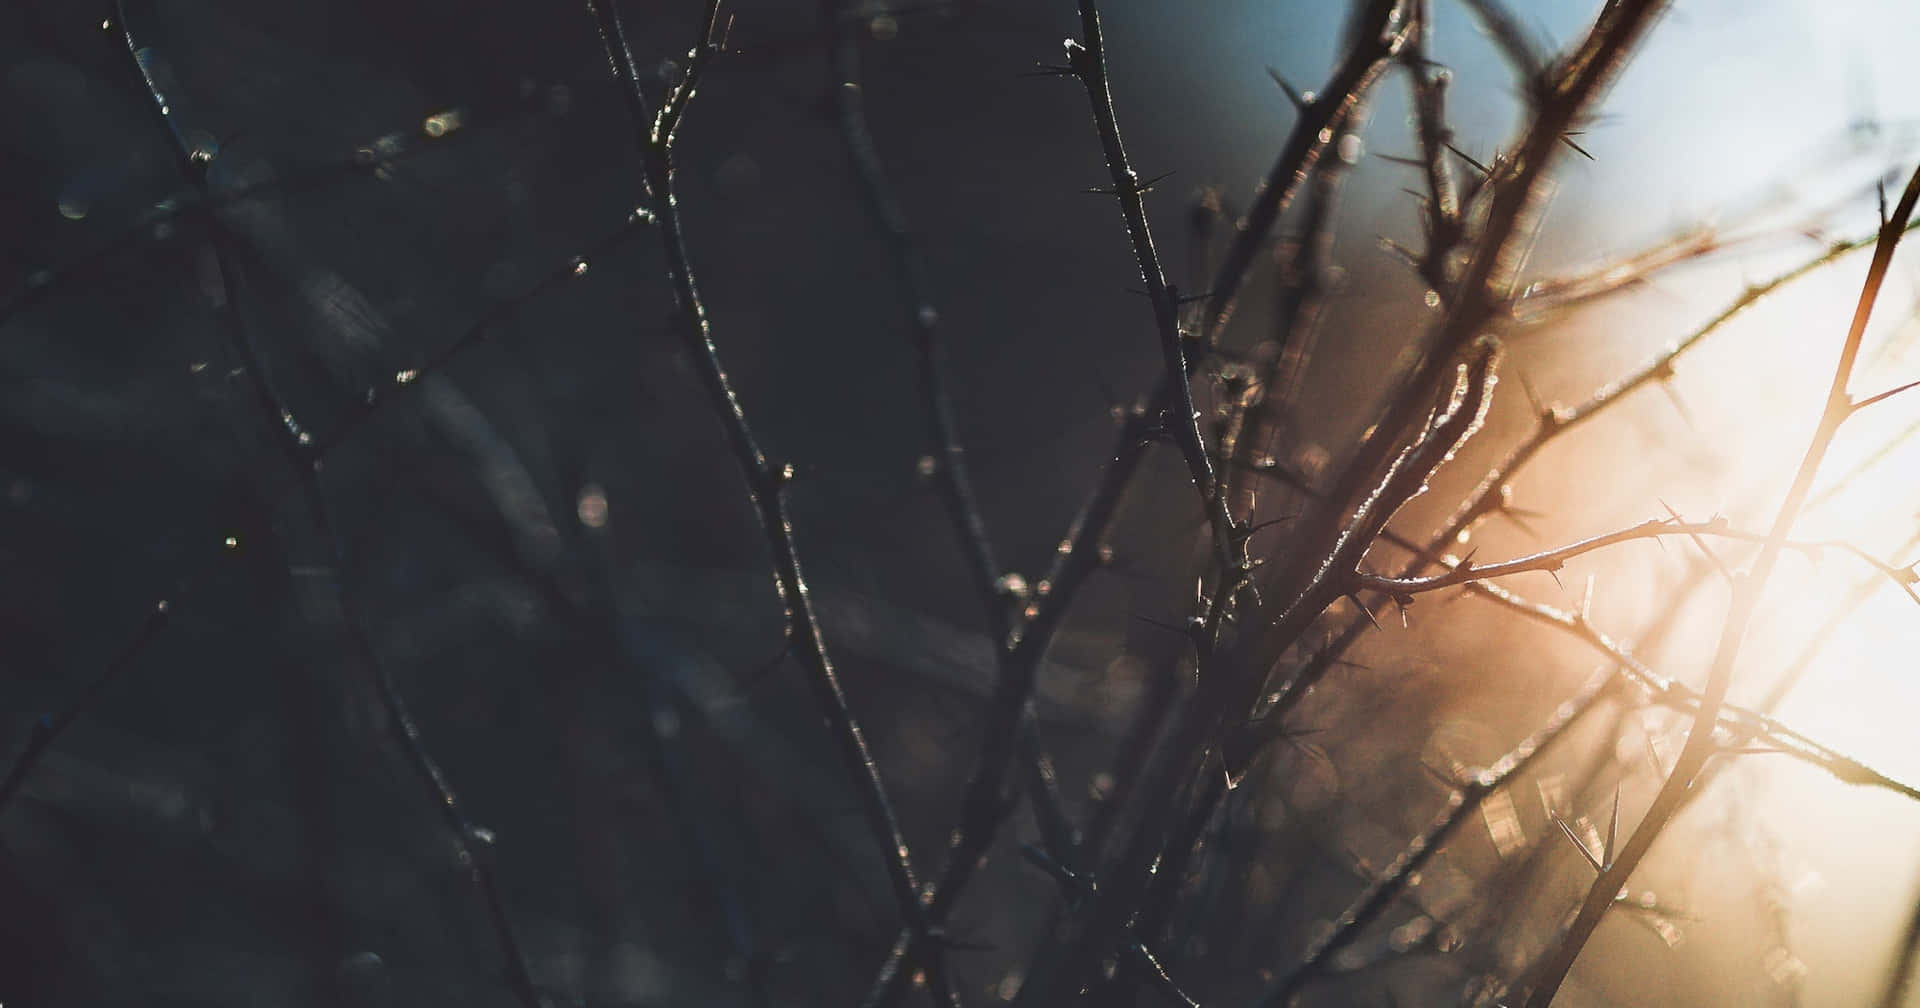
<point>1403,589</point>
<point>471,843</point>
<point>1462,802</point>
<point>984,808</point>
<point>1380,33</point>
<point>766,481</point>
<point>1700,745</point>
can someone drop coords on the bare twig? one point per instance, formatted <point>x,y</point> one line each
<point>1477,297</point>
<point>1088,62</point>
<point>1378,37</point>
<point>1460,805</point>
<point>1403,589</point>
<point>1700,746</point>
<point>470,842</point>
<point>766,481</point>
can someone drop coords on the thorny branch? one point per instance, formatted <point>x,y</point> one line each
<point>766,482</point>
<point>1403,589</point>
<point>1700,747</point>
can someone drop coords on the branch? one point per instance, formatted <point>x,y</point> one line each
<point>1493,494</point>
<point>471,843</point>
<point>1461,803</point>
<point>376,399</point>
<point>1088,62</point>
<point>1375,44</point>
<point>1700,746</point>
<point>766,482</point>
<point>984,808</point>
<point>1402,589</point>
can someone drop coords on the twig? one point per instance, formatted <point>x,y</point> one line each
<point>48,729</point>
<point>1700,747</point>
<point>1088,63</point>
<point>470,842</point>
<point>1403,589</point>
<point>1478,294</point>
<point>1461,803</point>
<point>984,808</point>
<point>376,399</point>
<point>1493,494</point>
<point>766,482</point>
<point>1375,43</point>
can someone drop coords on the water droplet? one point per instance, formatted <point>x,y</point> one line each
<point>233,542</point>
<point>73,208</point>
<point>580,266</point>
<point>162,606</point>
<point>443,123</point>
<point>482,835</point>
<point>927,316</point>
<point>1432,298</point>
<point>197,367</point>
<point>592,506</point>
<point>405,377</point>
<point>1350,148</point>
<point>926,467</point>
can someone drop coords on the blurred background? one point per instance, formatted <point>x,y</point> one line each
<point>554,556</point>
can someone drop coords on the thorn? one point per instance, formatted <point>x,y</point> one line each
<point>1613,828</point>
<point>1679,405</point>
<point>1579,845</point>
<point>1410,162</point>
<point>1468,158</point>
<point>1050,70</point>
<point>1059,872</point>
<point>1142,188</point>
<point>1300,101</point>
<point>1567,138</point>
<point>1534,402</point>
<point>1411,257</point>
<point>1518,517</point>
<point>1168,627</point>
<point>1363,608</point>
